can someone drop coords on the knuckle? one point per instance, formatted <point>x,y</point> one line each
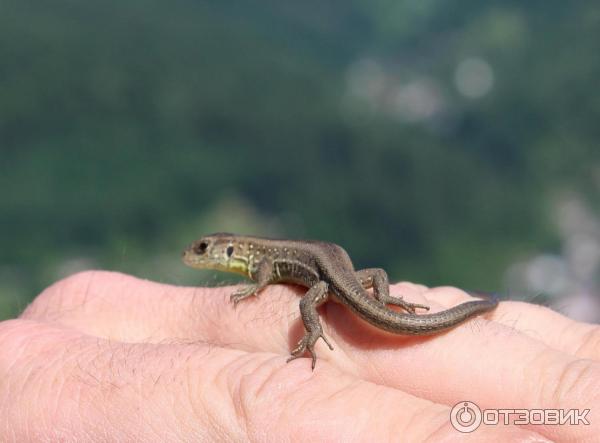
<point>65,294</point>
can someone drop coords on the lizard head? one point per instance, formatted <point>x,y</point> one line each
<point>219,251</point>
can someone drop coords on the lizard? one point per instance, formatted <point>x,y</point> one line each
<point>327,271</point>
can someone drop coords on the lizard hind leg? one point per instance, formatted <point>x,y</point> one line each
<point>377,279</point>
<point>316,296</point>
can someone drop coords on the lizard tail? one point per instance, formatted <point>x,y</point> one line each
<point>412,324</point>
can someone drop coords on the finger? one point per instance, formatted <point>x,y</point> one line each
<point>129,309</point>
<point>554,329</point>
<point>539,322</point>
<point>92,389</point>
<point>120,307</point>
<point>480,361</point>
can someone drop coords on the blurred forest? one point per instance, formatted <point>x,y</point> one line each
<point>451,142</point>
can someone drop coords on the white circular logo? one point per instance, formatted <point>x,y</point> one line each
<point>465,416</point>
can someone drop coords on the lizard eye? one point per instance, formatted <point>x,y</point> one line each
<point>229,251</point>
<point>201,248</point>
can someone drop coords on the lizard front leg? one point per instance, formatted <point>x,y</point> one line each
<point>262,278</point>
<point>316,296</point>
<point>377,279</point>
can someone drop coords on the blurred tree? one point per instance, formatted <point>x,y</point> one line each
<point>123,125</point>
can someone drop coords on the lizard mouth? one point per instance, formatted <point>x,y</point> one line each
<point>187,257</point>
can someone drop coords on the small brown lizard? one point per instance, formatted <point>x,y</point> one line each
<point>326,269</point>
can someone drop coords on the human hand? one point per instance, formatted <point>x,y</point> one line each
<point>103,356</point>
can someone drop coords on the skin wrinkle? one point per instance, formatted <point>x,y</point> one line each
<point>183,422</point>
<point>355,388</point>
<point>191,394</point>
<point>23,413</point>
<point>442,430</point>
<point>344,390</point>
<point>60,398</point>
<point>379,378</point>
<point>295,402</point>
<point>32,378</point>
<point>63,388</point>
<point>536,369</point>
<point>271,367</point>
<point>261,386</point>
<point>149,390</point>
<point>345,359</point>
<point>591,340</point>
<point>214,421</point>
<point>238,386</point>
<point>220,423</point>
<point>567,331</point>
<point>423,409</point>
<point>416,416</point>
<point>572,375</point>
<point>16,352</point>
<point>78,401</point>
<point>556,395</point>
<point>207,384</point>
<point>202,413</point>
<point>545,393</point>
<point>86,292</point>
<point>145,402</point>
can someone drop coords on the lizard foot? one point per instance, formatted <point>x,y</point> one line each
<point>242,293</point>
<point>308,343</point>
<point>399,301</point>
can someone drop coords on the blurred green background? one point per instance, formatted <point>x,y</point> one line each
<point>449,142</point>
